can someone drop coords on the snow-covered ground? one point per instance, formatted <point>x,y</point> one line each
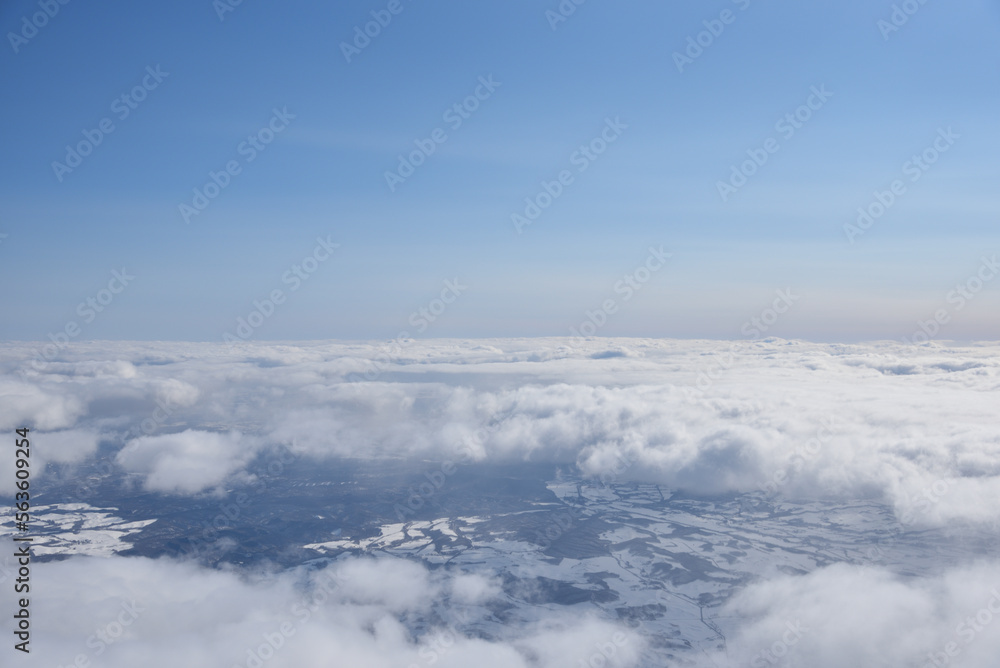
<point>77,528</point>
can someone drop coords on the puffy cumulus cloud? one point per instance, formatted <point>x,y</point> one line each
<point>187,462</point>
<point>406,585</point>
<point>852,616</point>
<point>572,643</point>
<point>68,446</point>
<point>121,612</point>
<point>474,588</point>
<point>24,404</point>
<point>124,612</point>
<point>913,425</point>
<point>800,433</point>
<point>175,392</point>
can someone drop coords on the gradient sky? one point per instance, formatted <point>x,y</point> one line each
<point>655,185</point>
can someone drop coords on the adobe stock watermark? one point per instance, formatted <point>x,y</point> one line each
<point>249,149</point>
<point>383,358</point>
<point>122,106</point>
<point>804,452</point>
<point>562,12</point>
<point>325,584</point>
<point>759,324</point>
<point>582,158</point>
<point>914,168</point>
<point>454,116</point>
<point>88,310</point>
<point>563,521</point>
<point>294,277</point>
<point>149,425</point>
<point>434,646</point>
<point>422,318</point>
<point>966,631</point>
<point>425,490</point>
<point>425,315</point>
<point>922,503</point>
<point>436,478</point>
<point>787,126</point>
<point>107,635</point>
<point>753,329</point>
<point>906,516</point>
<point>697,44</point>
<point>961,295</point>
<point>30,25</point>
<point>605,653</point>
<point>363,36</point>
<point>206,543</point>
<point>899,17</point>
<point>85,486</point>
<point>223,7</point>
<point>627,286</point>
<point>775,654</point>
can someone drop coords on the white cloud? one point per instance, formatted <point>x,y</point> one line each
<point>570,643</point>
<point>69,446</point>
<point>851,616</point>
<point>23,404</point>
<point>914,426</point>
<point>187,462</point>
<point>473,588</point>
<point>397,585</point>
<point>123,612</point>
<point>799,419</point>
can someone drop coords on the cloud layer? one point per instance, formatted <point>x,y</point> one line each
<point>186,462</point>
<point>124,612</point>
<point>852,616</point>
<point>914,425</point>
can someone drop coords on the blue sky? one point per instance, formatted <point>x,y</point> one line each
<point>655,185</point>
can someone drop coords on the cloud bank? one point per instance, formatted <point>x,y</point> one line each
<point>852,616</point>
<point>124,612</point>
<point>914,425</point>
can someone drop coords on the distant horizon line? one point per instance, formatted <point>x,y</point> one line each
<point>562,337</point>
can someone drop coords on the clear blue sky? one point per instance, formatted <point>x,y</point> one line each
<point>656,183</point>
